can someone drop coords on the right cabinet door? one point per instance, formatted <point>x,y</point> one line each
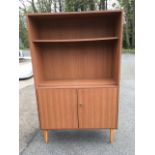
<point>98,107</point>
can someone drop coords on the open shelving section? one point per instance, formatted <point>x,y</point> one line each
<point>75,49</point>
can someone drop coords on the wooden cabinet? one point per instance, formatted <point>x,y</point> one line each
<point>76,64</point>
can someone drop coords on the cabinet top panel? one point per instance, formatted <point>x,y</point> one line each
<point>70,14</point>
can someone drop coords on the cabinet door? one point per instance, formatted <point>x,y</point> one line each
<point>97,108</point>
<point>57,108</point>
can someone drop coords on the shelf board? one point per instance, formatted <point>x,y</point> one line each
<point>73,40</point>
<point>78,83</point>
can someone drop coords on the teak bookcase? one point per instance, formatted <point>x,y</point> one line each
<point>76,64</point>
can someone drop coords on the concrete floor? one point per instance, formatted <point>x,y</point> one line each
<point>85,142</point>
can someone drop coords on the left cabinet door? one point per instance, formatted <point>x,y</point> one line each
<point>57,108</point>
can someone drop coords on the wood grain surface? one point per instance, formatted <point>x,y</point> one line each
<point>58,108</point>
<point>71,26</point>
<point>77,61</point>
<point>97,108</point>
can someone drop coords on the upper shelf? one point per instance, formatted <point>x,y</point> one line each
<point>73,40</point>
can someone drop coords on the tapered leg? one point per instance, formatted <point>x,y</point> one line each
<point>111,135</point>
<point>45,134</point>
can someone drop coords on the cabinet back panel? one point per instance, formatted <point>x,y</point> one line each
<point>77,61</point>
<point>75,28</point>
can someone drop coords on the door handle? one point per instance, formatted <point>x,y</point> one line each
<point>80,104</point>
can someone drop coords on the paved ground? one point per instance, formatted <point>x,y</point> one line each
<point>89,142</point>
<point>27,82</point>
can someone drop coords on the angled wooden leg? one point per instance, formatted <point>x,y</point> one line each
<point>45,134</point>
<point>111,135</point>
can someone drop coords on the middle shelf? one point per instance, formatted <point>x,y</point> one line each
<point>73,40</point>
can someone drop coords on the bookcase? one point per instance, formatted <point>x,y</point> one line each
<point>76,65</point>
